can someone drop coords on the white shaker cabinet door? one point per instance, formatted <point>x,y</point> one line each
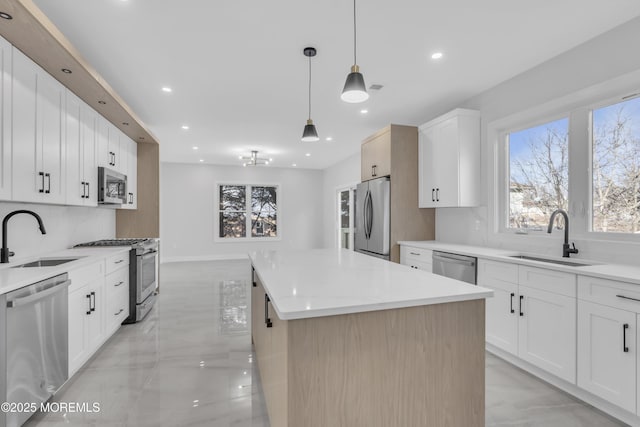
<point>5,119</point>
<point>604,367</point>
<point>547,331</point>
<point>76,188</point>
<point>502,318</point>
<point>79,310</point>
<point>445,163</point>
<point>89,142</point>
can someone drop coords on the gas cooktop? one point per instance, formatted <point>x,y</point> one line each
<point>115,242</point>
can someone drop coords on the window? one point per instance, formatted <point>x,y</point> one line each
<point>244,209</point>
<point>538,174</point>
<point>615,186</point>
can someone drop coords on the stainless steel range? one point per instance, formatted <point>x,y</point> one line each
<point>143,273</point>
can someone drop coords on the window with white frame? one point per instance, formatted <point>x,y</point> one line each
<point>538,160</point>
<point>247,211</point>
<point>593,175</point>
<point>615,186</point>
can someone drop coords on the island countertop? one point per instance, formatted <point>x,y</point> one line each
<point>325,282</point>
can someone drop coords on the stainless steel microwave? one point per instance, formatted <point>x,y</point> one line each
<point>112,187</point>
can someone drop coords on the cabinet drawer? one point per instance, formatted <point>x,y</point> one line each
<point>419,265</point>
<point>547,280</point>
<point>622,295</point>
<point>84,275</point>
<point>416,254</point>
<point>497,274</point>
<point>117,280</point>
<point>117,261</point>
<point>117,308</point>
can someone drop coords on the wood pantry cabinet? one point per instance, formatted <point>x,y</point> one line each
<point>393,152</point>
<point>398,367</point>
<point>449,156</point>
<point>38,170</point>
<point>532,315</point>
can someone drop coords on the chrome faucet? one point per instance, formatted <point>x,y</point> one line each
<point>5,253</point>
<point>566,250</point>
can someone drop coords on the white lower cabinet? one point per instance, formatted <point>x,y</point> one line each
<point>117,290</point>
<point>536,325</point>
<point>86,313</point>
<point>418,258</point>
<point>607,355</point>
<point>547,331</point>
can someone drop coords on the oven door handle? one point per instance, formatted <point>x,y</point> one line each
<point>149,255</point>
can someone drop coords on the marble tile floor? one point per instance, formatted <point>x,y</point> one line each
<point>190,363</point>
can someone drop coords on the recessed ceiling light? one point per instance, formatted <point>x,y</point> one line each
<point>270,159</point>
<point>194,147</point>
<point>436,55</point>
<point>66,71</point>
<point>364,111</point>
<point>185,127</point>
<point>167,89</point>
<point>329,138</point>
<point>201,160</point>
<point>239,157</point>
<point>5,15</point>
<point>308,154</point>
<point>294,165</point>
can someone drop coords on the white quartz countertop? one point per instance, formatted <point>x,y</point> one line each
<point>326,282</point>
<point>620,272</point>
<point>15,278</point>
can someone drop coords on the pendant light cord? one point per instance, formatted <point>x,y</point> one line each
<point>355,62</point>
<point>309,87</point>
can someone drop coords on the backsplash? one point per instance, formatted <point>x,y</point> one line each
<point>65,225</point>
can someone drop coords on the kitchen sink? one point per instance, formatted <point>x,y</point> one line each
<point>551,260</point>
<point>49,262</point>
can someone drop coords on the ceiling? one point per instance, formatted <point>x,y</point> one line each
<point>239,77</point>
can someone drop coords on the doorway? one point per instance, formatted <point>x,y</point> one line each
<point>346,199</point>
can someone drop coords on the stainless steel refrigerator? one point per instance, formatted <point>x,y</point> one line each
<point>372,218</point>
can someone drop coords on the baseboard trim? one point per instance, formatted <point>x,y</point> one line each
<point>221,257</point>
<point>572,389</point>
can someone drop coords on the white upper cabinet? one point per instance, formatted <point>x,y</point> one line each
<point>5,120</point>
<point>130,149</point>
<point>38,173</point>
<point>449,160</point>
<point>109,150</point>
<point>81,140</point>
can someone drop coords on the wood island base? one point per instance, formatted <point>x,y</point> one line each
<point>416,366</point>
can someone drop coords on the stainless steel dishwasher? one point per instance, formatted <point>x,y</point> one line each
<point>455,266</point>
<point>34,345</point>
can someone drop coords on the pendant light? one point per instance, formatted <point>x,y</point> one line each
<point>310,134</point>
<point>354,88</point>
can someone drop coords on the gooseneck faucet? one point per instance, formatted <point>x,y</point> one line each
<point>4,252</point>
<point>566,250</point>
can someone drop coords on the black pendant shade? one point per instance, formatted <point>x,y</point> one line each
<point>310,134</point>
<point>354,88</point>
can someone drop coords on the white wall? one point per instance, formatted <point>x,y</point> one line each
<point>342,174</point>
<point>187,198</point>
<point>608,62</point>
<point>65,225</point>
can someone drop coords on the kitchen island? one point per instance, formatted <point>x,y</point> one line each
<point>344,339</point>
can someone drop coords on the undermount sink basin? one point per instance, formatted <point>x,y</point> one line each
<point>552,261</point>
<point>46,262</point>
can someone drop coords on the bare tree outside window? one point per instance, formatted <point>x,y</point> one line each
<point>538,174</point>
<point>244,207</point>
<point>616,168</point>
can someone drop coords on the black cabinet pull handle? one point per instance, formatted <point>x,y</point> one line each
<point>624,338</point>
<point>88,191</point>
<point>433,197</point>
<point>121,310</point>
<point>93,297</point>
<point>41,190</point>
<point>629,298</point>
<point>84,190</point>
<point>512,295</point>
<point>48,190</point>
<point>89,298</point>
<point>521,298</point>
<point>119,283</point>
<point>267,321</point>
<point>114,159</point>
<point>437,194</point>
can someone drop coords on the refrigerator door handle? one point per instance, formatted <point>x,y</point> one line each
<point>370,214</point>
<point>366,215</point>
